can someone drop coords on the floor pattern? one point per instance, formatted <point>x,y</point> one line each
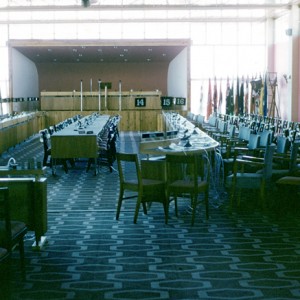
<point>244,254</point>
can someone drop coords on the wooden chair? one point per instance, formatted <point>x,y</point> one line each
<point>45,138</point>
<point>145,190</point>
<point>185,175</point>
<point>240,179</point>
<point>12,232</point>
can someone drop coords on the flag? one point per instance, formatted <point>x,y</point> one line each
<point>256,85</point>
<point>209,101</point>
<point>229,99</point>
<point>237,95</point>
<point>246,97</point>
<point>261,99</point>
<point>241,98</point>
<point>215,96</point>
<point>201,100</point>
<point>265,99</point>
<point>220,98</point>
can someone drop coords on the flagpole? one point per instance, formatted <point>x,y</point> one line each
<point>99,95</point>
<point>81,95</point>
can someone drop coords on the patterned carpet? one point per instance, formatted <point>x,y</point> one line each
<point>244,254</point>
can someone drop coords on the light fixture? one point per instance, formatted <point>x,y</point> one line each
<point>85,3</point>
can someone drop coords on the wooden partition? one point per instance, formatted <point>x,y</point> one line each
<point>139,110</point>
<point>90,101</point>
<point>17,129</point>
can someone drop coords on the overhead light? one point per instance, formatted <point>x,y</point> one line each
<point>85,3</point>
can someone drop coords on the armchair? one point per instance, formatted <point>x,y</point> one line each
<point>240,179</point>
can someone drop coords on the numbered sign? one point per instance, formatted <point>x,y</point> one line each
<point>140,102</point>
<point>180,101</point>
<point>166,101</point>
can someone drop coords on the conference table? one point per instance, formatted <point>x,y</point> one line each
<point>78,140</point>
<point>189,140</point>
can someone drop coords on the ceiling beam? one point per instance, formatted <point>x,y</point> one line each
<point>180,7</point>
<point>142,20</point>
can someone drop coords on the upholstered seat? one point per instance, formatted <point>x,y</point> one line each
<point>240,179</point>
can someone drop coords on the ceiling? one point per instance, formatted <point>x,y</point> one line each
<point>99,54</point>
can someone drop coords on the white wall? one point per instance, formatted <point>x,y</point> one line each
<point>25,80</point>
<point>177,76</point>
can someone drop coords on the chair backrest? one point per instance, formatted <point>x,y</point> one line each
<point>253,141</point>
<point>244,133</point>
<point>294,155</point>
<point>200,119</point>
<point>129,161</point>
<point>186,167</point>
<point>222,126</point>
<point>265,138</point>
<point>268,158</point>
<point>231,130</point>
<point>282,144</point>
<point>212,120</point>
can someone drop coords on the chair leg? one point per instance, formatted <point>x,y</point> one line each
<point>176,207</point>
<point>22,257</point>
<point>166,211</point>
<point>137,208</point>
<point>119,204</point>
<point>194,206</point>
<point>206,203</point>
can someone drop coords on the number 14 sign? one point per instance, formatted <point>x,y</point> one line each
<point>140,102</point>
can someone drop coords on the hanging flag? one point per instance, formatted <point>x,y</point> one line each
<point>227,100</point>
<point>237,95</point>
<point>256,85</point>
<point>261,98</point>
<point>201,100</point>
<point>209,101</point>
<point>220,98</point>
<point>246,97</point>
<point>265,100</point>
<point>230,100</point>
<point>241,98</point>
<point>215,96</point>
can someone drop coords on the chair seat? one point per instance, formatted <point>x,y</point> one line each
<point>180,184</point>
<point>245,180</point>
<point>289,180</point>
<point>146,189</point>
<point>17,229</point>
